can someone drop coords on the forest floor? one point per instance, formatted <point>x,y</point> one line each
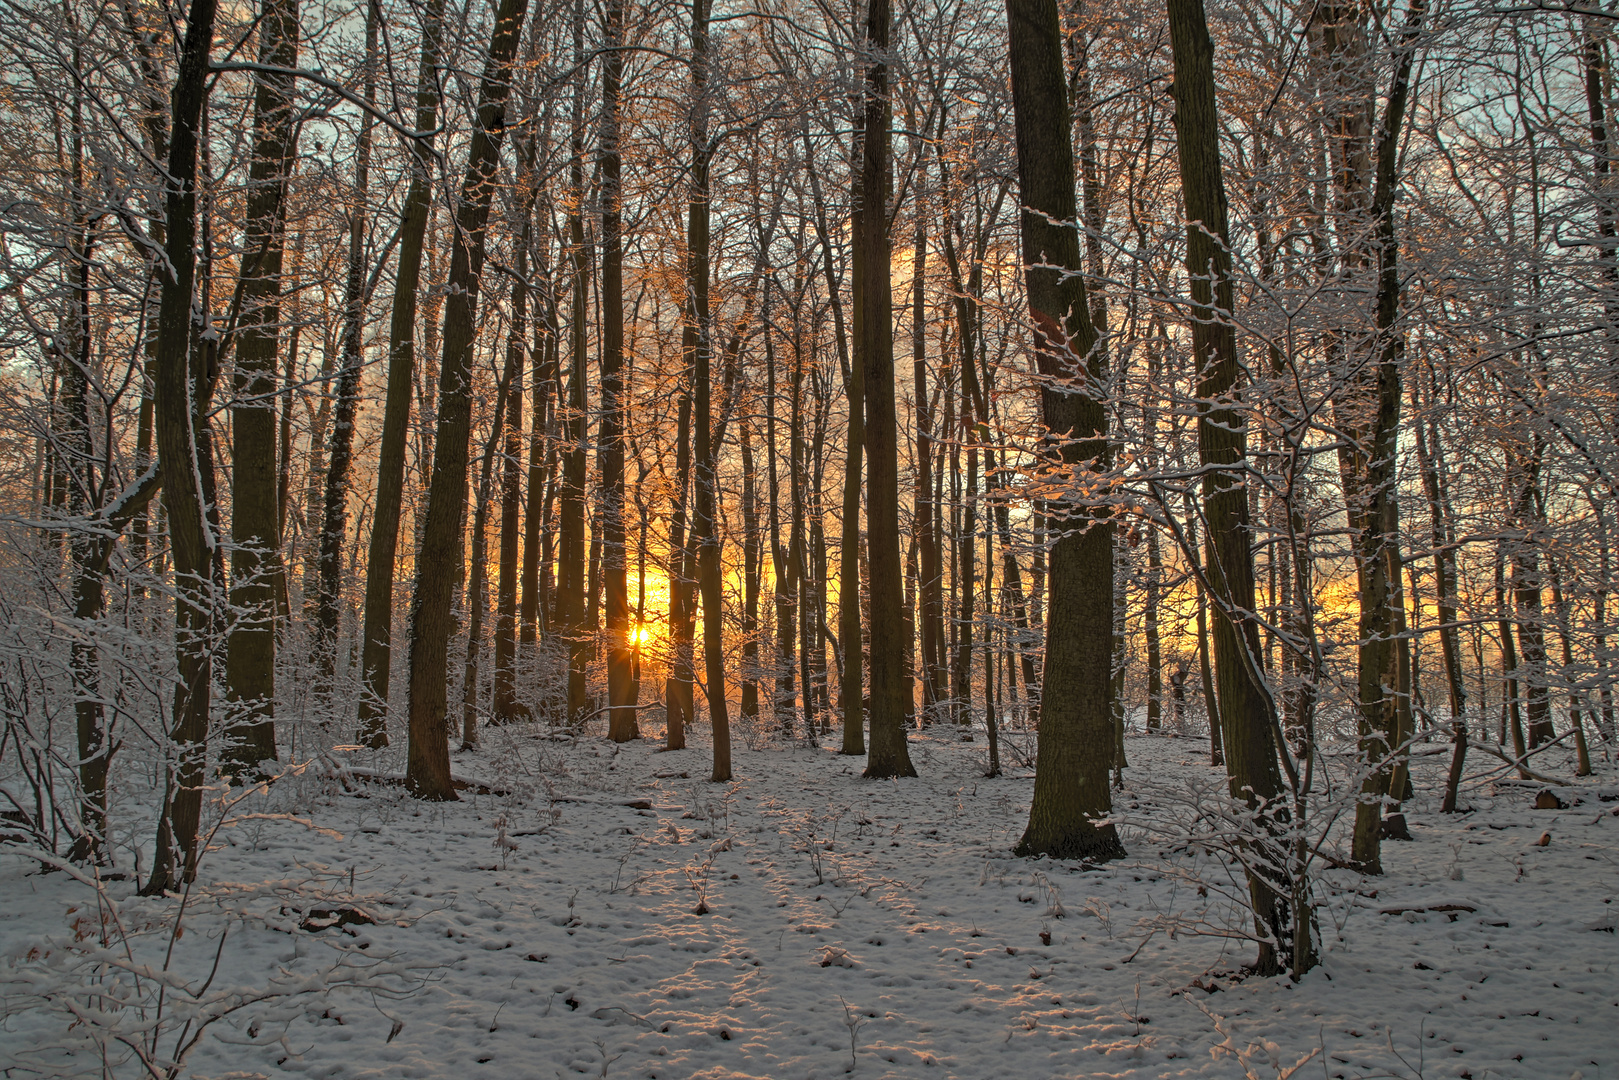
<point>610,913</point>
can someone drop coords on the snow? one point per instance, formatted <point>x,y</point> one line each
<point>848,927</point>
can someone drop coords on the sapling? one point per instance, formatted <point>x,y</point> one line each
<point>854,1021</point>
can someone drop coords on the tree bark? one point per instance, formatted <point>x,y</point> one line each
<point>507,709</point>
<point>476,594</point>
<point>892,692</point>
<point>752,574</point>
<point>622,725</point>
<point>427,770</point>
<point>250,648</point>
<point>1076,738</point>
<point>340,456</point>
<point>700,320</point>
<point>177,392</point>
<point>571,556</point>
<point>377,635</point>
<point>1247,716</point>
<point>851,625</point>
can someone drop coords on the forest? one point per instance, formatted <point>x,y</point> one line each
<point>639,477</point>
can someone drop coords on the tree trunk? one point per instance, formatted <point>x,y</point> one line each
<point>476,596</point>
<point>507,709</point>
<point>892,692</point>
<point>700,319</point>
<point>571,556</point>
<point>1511,701</point>
<point>1430,462</point>
<point>250,649</point>
<point>784,694</point>
<point>851,662</point>
<point>427,771</point>
<point>1196,555</point>
<point>178,393</point>
<point>377,635</point>
<point>1076,739</point>
<point>621,725</point>
<point>752,570</point>
<point>679,699</point>
<point>1249,725</point>
<point>538,531</point>
<point>929,582</point>
<point>340,456</point>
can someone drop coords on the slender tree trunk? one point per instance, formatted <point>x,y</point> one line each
<point>177,387</point>
<point>752,570</point>
<point>1430,462</point>
<point>507,709</point>
<point>1197,555</point>
<point>622,724</point>
<point>678,694</point>
<point>1367,405</point>
<point>340,455</point>
<point>1599,619</point>
<point>1247,714</point>
<point>377,635</point>
<point>929,582</point>
<point>851,663</point>
<point>536,520</point>
<point>1153,586</point>
<point>1075,740</point>
<point>477,589</point>
<point>438,566</point>
<point>797,559</point>
<point>1595,60</point>
<point>991,693</point>
<point>538,531</point>
<point>785,695</point>
<point>250,648</point>
<point>1582,750</point>
<point>1524,475</point>
<point>571,556</point>
<point>705,523</point>
<point>1511,701</point>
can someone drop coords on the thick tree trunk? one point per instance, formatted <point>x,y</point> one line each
<point>892,692</point>
<point>427,770</point>
<point>250,649</point>
<point>1075,740</point>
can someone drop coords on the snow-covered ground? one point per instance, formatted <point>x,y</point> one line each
<point>613,914</point>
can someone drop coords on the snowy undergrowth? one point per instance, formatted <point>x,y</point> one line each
<point>610,913</point>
